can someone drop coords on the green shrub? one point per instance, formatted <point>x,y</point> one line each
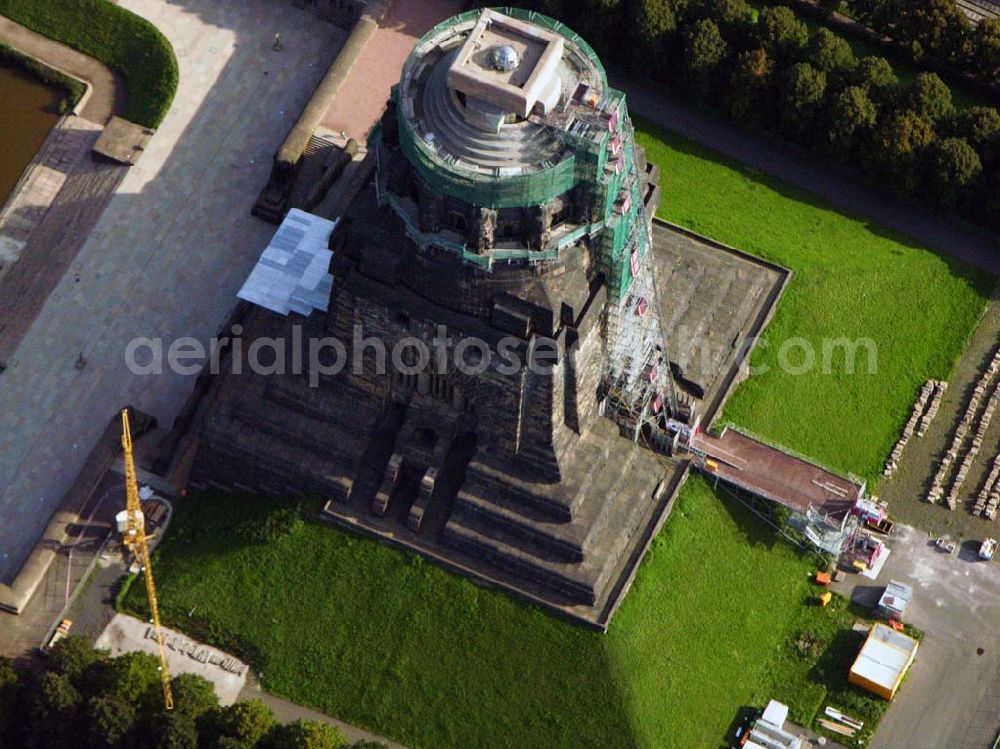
<point>123,589</point>
<point>117,37</point>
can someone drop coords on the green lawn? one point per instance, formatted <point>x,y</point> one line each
<point>378,637</point>
<point>117,37</point>
<point>851,279</point>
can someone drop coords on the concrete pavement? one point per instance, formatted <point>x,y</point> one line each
<point>168,254</point>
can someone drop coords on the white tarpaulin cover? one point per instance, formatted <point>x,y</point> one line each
<point>292,274</point>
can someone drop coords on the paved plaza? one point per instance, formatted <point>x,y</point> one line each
<point>363,97</point>
<point>167,256</point>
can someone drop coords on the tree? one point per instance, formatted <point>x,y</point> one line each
<point>108,722</point>
<point>749,93</point>
<point>802,89</point>
<point>177,730</point>
<point>303,734</point>
<point>831,53</point>
<point>875,13</point>
<point>938,26</point>
<point>876,75</point>
<point>952,165</point>
<point>735,19</point>
<point>132,677</point>
<point>704,51</point>
<point>986,49</point>
<point>851,116</point>
<point>72,656</point>
<point>930,97</point>
<point>52,711</point>
<point>900,140</point>
<point>237,726</point>
<point>193,695</point>
<point>653,24</point>
<point>598,20</point>
<point>980,126</point>
<point>11,692</point>
<point>830,6</point>
<point>782,34</point>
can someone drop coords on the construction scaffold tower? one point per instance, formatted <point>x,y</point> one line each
<point>638,390</point>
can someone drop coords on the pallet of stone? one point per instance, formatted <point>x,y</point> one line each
<point>935,403</point>
<point>911,425</point>
<point>977,441</point>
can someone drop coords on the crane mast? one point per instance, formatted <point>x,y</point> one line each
<point>134,537</point>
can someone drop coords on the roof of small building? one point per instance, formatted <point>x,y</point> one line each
<point>897,596</point>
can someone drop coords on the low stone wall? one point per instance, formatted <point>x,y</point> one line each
<point>273,201</point>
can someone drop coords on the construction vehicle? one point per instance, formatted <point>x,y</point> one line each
<point>62,631</point>
<point>988,549</point>
<point>132,525</point>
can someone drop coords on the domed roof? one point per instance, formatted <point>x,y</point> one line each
<point>505,58</point>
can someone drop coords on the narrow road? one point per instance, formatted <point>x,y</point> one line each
<point>844,188</point>
<point>287,712</point>
<point>107,95</point>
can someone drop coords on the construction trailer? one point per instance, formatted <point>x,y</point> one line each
<point>769,732</point>
<point>894,601</point>
<point>883,661</point>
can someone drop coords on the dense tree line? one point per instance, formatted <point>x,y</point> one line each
<point>768,70</point>
<point>935,28</point>
<point>87,700</point>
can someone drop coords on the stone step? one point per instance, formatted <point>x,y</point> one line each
<point>513,555</point>
<point>564,540</point>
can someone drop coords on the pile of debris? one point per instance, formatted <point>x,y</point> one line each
<point>920,419</point>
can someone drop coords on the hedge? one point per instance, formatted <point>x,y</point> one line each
<point>123,41</point>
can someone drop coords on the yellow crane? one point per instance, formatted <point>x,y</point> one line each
<point>134,537</point>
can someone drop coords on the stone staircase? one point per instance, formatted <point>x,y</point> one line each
<point>517,529</point>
